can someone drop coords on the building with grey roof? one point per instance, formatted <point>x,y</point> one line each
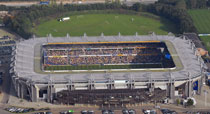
<point>30,81</point>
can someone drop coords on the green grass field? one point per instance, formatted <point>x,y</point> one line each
<point>201,19</point>
<point>206,41</point>
<point>109,24</point>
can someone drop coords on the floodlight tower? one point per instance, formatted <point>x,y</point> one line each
<point>172,87</point>
<point>91,82</point>
<point>69,79</point>
<point>49,89</point>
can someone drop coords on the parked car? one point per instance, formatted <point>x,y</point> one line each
<point>19,110</point>
<point>67,112</point>
<point>149,111</point>
<point>125,111</point>
<point>64,112</point>
<point>90,112</point>
<point>39,113</point>
<point>131,111</point>
<point>84,112</point>
<point>48,112</point>
<point>111,112</point>
<point>167,111</point>
<point>105,112</point>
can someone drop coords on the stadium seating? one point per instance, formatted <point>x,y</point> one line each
<point>77,54</point>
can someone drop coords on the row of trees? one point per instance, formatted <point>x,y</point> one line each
<point>174,10</point>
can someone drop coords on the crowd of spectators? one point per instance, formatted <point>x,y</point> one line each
<point>56,60</point>
<point>56,52</point>
<point>109,45</point>
<point>102,54</point>
<point>101,51</point>
<point>115,60</point>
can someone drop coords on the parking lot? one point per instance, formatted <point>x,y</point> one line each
<point>95,110</point>
<point>84,110</point>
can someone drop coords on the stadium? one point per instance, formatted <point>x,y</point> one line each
<point>106,69</point>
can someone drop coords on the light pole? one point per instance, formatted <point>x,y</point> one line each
<point>205,93</point>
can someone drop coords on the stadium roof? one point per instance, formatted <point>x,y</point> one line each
<point>194,37</point>
<point>29,51</point>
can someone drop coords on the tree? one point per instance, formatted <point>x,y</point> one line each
<point>177,101</point>
<point>208,3</point>
<point>201,4</point>
<point>192,4</point>
<point>190,102</point>
<point>174,10</point>
<point>136,7</point>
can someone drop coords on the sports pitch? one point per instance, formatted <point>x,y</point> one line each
<point>109,24</point>
<point>206,41</point>
<point>201,21</point>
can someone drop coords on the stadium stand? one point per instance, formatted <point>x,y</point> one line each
<point>106,54</point>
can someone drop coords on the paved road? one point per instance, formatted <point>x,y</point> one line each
<point>2,111</point>
<point>18,4</point>
<point>138,109</point>
<point>27,4</point>
<point>6,85</point>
